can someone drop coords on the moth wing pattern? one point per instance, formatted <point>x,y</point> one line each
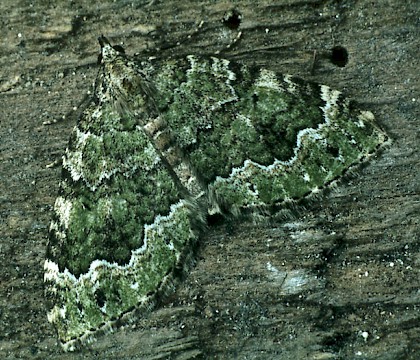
<point>166,142</point>
<point>257,139</point>
<point>122,224</point>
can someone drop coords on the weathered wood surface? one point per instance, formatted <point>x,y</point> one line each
<point>356,251</point>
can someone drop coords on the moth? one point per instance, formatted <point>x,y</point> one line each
<point>163,144</point>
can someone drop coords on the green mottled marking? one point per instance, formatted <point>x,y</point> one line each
<point>163,143</point>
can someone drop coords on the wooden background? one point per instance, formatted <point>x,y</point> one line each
<point>303,288</point>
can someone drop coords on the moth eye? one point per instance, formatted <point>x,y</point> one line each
<point>119,48</point>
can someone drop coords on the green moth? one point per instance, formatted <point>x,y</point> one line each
<point>163,144</point>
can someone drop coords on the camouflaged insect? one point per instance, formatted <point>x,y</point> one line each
<point>163,144</point>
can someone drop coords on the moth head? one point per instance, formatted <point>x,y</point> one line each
<point>121,80</point>
<point>108,52</point>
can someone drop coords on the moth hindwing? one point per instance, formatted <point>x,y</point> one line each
<point>162,144</point>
